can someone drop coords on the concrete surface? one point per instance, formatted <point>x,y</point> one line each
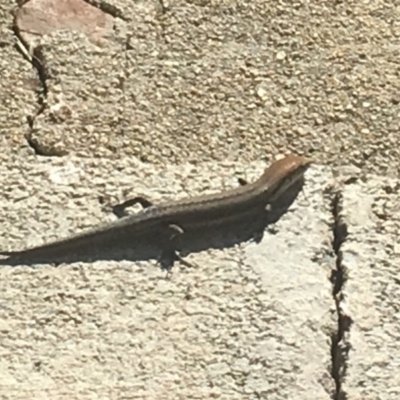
<point>171,98</point>
<point>369,306</point>
<point>228,328</point>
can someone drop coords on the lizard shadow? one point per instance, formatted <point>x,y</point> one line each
<point>248,228</point>
<point>152,246</point>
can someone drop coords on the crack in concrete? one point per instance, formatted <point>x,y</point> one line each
<point>339,346</point>
<point>35,58</point>
<point>107,8</point>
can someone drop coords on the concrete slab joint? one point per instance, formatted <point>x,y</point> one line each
<point>101,100</point>
<point>285,304</point>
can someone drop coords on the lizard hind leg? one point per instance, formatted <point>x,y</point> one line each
<point>169,253</point>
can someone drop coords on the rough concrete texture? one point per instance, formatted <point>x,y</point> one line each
<point>217,79</point>
<point>253,321</point>
<point>369,303</point>
<point>168,98</point>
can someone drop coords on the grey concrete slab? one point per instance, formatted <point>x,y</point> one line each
<point>369,296</point>
<point>295,264</point>
<point>251,321</point>
<point>183,81</point>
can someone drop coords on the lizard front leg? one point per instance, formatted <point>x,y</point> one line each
<point>119,209</point>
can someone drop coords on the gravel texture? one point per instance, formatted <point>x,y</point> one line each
<point>172,98</point>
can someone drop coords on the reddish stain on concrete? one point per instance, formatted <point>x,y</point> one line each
<point>39,17</point>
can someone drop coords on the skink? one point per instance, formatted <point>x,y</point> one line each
<point>178,216</point>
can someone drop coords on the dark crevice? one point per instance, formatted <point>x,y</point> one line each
<point>163,27</point>
<point>339,347</point>
<point>163,7</point>
<point>35,146</point>
<point>35,58</point>
<point>162,16</point>
<point>107,8</point>
<point>37,62</point>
